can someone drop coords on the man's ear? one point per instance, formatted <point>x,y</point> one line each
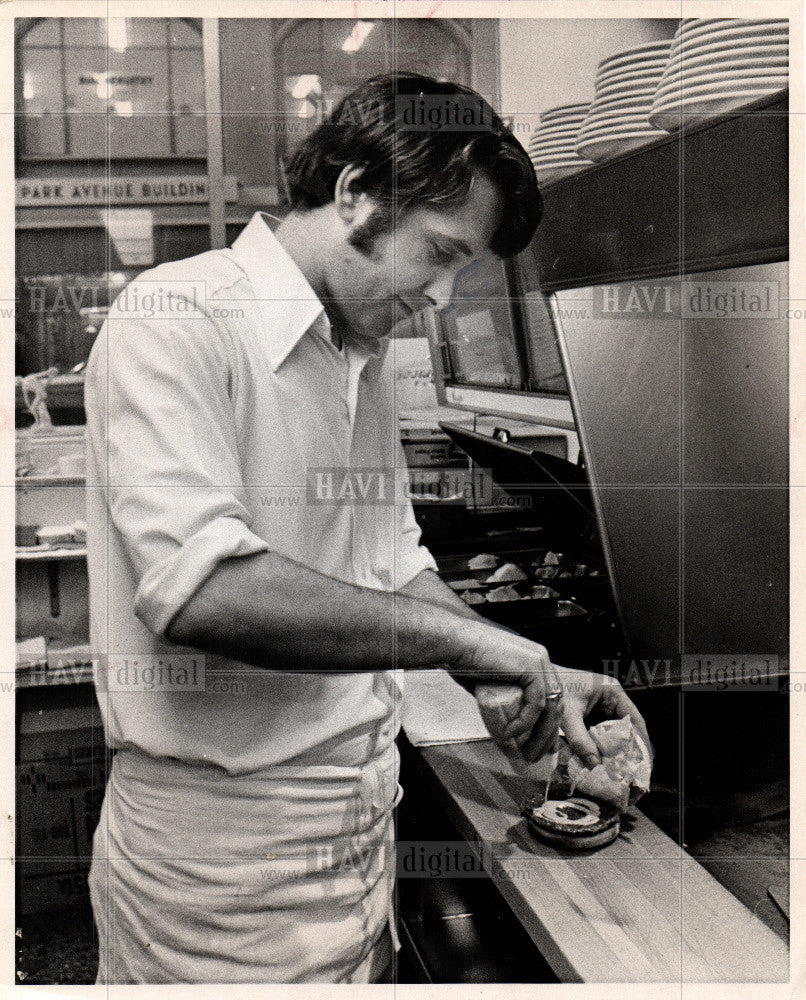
<point>352,205</point>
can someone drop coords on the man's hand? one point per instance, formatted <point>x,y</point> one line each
<point>582,693</point>
<point>490,655</point>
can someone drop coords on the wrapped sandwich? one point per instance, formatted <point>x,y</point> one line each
<point>620,780</point>
<point>508,573</point>
<point>483,561</point>
<point>622,777</point>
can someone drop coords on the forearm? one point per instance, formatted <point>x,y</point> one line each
<point>427,586</point>
<point>273,612</point>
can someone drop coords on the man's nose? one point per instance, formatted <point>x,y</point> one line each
<point>440,291</point>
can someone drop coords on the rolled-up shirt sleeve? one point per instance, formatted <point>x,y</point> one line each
<point>161,434</point>
<point>411,557</point>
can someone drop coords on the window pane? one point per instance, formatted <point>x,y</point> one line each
<point>352,50</point>
<point>135,82</point>
<point>148,31</point>
<point>41,81</point>
<point>184,34</point>
<point>188,101</point>
<point>47,32</point>
<point>129,81</point>
<point>43,135</point>
<point>84,31</point>
<point>305,35</point>
<point>43,124</point>
<point>478,324</point>
<point>120,32</point>
<point>361,36</point>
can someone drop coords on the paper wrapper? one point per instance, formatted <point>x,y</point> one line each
<point>622,777</point>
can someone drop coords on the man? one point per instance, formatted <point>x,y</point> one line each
<point>256,621</point>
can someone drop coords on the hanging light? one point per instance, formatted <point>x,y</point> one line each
<point>357,36</point>
<point>306,84</point>
<point>118,36</point>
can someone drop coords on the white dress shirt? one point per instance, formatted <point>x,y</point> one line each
<point>207,418</point>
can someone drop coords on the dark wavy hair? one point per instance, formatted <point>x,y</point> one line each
<point>419,142</point>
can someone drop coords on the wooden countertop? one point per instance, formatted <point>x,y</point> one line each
<point>638,910</point>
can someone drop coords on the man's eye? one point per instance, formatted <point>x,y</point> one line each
<point>440,255</point>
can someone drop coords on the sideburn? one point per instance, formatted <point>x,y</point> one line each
<point>364,237</point>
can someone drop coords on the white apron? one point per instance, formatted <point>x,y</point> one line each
<point>281,876</point>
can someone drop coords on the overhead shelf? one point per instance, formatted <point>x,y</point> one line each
<point>710,195</point>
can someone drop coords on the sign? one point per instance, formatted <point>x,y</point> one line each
<point>151,189</point>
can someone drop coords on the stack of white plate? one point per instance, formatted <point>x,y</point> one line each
<point>551,148</point>
<point>618,119</point>
<point>719,64</point>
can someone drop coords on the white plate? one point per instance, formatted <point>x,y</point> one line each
<point>629,102</point>
<point>564,111</point>
<point>602,121</point>
<point>553,161</point>
<point>741,49</point>
<point>647,78</point>
<point>547,176</point>
<point>543,142</point>
<point>630,55</point>
<point>729,61</point>
<point>625,128</point>
<point>724,79</point>
<point>563,150</point>
<point>550,138</point>
<point>616,89</point>
<point>555,135</point>
<point>669,116</point>
<point>677,90</point>
<point>605,115</point>
<point>698,25</point>
<point>559,128</point>
<point>640,127</point>
<point>605,148</point>
<point>577,164</point>
<point>643,68</point>
<point>758,34</point>
<point>546,136</point>
<point>640,63</point>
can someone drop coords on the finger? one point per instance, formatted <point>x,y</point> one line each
<point>531,708</point>
<point>535,684</point>
<point>499,704</point>
<point>545,735</point>
<point>579,739</point>
<point>626,706</point>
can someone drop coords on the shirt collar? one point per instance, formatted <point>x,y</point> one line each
<point>297,309</point>
<point>287,304</point>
